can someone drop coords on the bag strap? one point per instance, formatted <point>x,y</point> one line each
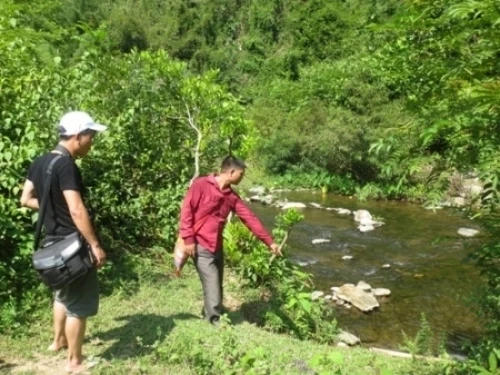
<point>45,199</point>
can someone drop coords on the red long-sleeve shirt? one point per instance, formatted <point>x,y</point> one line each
<point>205,199</point>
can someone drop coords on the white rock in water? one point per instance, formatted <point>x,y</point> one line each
<point>381,292</point>
<point>344,211</point>
<point>364,286</point>
<point>467,232</point>
<point>318,241</point>
<point>328,297</point>
<point>288,205</point>
<point>315,205</point>
<point>317,295</point>
<point>366,228</point>
<point>433,207</point>
<point>340,302</point>
<point>255,198</point>
<point>335,289</point>
<point>458,202</point>
<point>360,215</point>
<point>257,190</point>
<point>371,222</point>
<point>334,297</point>
<point>342,345</point>
<point>330,209</point>
<point>347,257</point>
<point>268,199</point>
<point>386,265</point>
<point>348,338</point>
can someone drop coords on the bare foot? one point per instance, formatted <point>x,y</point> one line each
<point>56,346</point>
<point>82,367</point>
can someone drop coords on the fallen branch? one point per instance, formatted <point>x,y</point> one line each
<point>394,353</point>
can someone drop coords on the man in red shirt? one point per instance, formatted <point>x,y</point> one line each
<point>206,206</point>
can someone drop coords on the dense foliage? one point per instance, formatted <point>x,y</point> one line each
<point>137,172</point>
<point>381,99</point>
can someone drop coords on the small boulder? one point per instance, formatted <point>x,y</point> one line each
<point>386,266</point>
<point>335,289</point>
<point>381,292</point>
<point>343,211</point>
<point>458,202</point>
<point>315,205</point>
<point>371,222</point>
<point>328,297</point>
<point>342,345</point>
<point>267,199</point>
<point>366,228</point>
<point>289,205</point>
<point>467,232</point>
<point>361,215</point>
<point>319,241</point>
<point>255,198</point>
<point>317,294</point>
<point>364,286</point>
<point>347,257</point>
<point>348,338</point>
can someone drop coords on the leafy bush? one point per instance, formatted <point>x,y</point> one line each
<point>137,172</point>
<point>284,304</point>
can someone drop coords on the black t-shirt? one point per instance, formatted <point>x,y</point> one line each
<point>65,176</point>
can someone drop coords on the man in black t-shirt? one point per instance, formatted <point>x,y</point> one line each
<point>66,213</point>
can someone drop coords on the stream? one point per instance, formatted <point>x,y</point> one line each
<point>429,273</point>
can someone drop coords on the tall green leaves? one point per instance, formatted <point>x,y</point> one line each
<point>138,170</point>
<point>443,56</point>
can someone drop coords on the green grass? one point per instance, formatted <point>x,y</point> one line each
<point>157,330</point>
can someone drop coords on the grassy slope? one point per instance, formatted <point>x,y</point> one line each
<point>157,330</point>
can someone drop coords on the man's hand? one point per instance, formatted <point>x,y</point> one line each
<point>99,255</point>
<point>275,249</point>
<point>190,250</point>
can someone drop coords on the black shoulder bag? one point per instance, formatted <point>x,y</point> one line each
<point>61,259</point>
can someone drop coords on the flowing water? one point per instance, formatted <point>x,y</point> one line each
<point>429,270</point>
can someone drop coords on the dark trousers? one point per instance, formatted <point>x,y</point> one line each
<point>210,267</point>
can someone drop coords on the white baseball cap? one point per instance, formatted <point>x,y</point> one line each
<point>73,123</point>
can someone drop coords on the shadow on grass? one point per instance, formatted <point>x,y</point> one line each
<point>140,335</point>
<point>255,312</point>
<point>5,367</point>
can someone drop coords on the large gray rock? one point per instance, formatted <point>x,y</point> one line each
<point>361,215</point>
<point>467,232</point>
<point>348,338</point>
<point>289,205</point>
<point>357,297</point>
